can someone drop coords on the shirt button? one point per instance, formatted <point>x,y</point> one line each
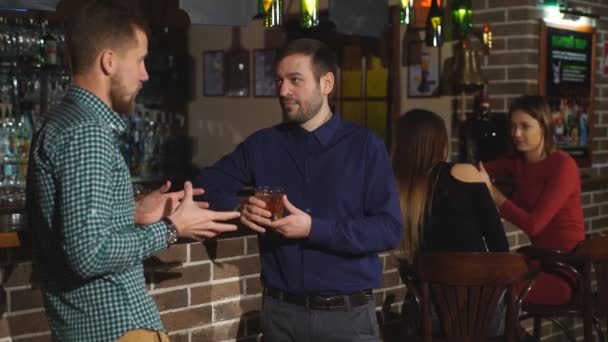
<point>308,210</point>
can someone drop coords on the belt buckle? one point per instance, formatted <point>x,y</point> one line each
<point>325,303</point>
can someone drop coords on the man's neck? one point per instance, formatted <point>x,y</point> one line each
<point>95,86</point>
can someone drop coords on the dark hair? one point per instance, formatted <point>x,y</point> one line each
<point>323,59</point>
<point>422,143</point>
<point>536,107</point>
<point>100,24</point>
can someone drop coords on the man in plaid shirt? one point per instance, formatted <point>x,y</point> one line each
<point>90,236</point>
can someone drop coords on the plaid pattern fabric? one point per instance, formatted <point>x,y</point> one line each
<point>88,250</point>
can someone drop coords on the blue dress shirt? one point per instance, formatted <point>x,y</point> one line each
<point>341,175</point>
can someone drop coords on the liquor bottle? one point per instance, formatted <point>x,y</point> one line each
<point>462,17</point>
<point>310,13</point>
<point>434,25</point>
<point>406,14</point>
<point>49,45</point>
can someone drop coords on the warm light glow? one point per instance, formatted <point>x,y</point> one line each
<point>427,3</point>
<point>267,4</point>
<point>405,3</point>
<point>310,6</point>
<point>553,15</point>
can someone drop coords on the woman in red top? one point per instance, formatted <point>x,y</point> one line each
<point>546,201</point>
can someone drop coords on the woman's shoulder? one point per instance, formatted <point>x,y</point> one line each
<point>560,160</point>
<point>466,173</point>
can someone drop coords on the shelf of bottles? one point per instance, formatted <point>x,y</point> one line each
<point>32,78</point>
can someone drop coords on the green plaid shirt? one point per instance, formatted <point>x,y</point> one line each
<point>88,250</point>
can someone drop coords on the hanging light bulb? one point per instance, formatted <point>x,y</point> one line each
<point>487,38</point>
<point>462,17</point>
<point>271,11</point>
<point>310,13</point>
<point>406,16</point>
<point>434,25</point>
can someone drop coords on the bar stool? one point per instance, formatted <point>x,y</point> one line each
<point>576,267</point>
<point>465,289</point>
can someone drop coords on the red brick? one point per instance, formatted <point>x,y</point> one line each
<point>211,293</point>
<point>522,73</point>
<point>515,29</point>
<point>187,319</point>
<point>494,74</point>
<point>586,199</point>
<point>591,211</point>
<point>513,58</point>
<point>26,299</point>
<point>520,43</point>
<point>600,197</point>
<point>225,248</point>
<point>601,223</point>
<point>236,268</point>
<point>171,300</point>
<point>171,257</point>
<point>491,16</point>
<point>183,276</point>
<point>392,261</point>
<point>179,338</point>
<point>27,324</point>
<point>43,338</point>
<point>509,3</point>
<point>521,14</point>
<point>253,285</point>
<point>513,88</point>
<point>252,245</point>
<point>235,309</point>
<point>391,279</point>
<point>218,332</point>
<point>18,274</point>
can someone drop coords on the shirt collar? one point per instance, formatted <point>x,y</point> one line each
<point>327,130</point>
<point>106,114</point>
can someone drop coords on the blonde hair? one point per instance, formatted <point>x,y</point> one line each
<point>422,143</point>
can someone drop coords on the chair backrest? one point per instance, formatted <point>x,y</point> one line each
<point>595,249</point>
<point>465,289</point>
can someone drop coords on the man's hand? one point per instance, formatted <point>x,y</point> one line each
<point>253,214</point>
<point>160,203</point>
<point>193,222</point>
<point>296,225</point>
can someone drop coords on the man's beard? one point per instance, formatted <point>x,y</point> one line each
<point>121,102</point>
<point>305,112</point>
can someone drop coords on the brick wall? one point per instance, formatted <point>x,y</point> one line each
<point>205,292</point>
<point>208,292</point>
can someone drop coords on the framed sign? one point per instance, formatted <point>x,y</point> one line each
<point>264,81</point>
<point>213,73</point>
<point>567,68</point>
<point>423,70</point>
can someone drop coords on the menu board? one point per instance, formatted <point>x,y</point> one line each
<point>566,80</point>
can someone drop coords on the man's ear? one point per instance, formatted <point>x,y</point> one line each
<point>327,83</point>
<point>107,61</point>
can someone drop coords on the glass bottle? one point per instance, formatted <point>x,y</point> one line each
<point>434,25</point>
<point>310,13</point>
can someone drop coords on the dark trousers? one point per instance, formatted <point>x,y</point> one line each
<point>286,322</point>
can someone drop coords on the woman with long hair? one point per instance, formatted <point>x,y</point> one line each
<point>546,199</point>
<point>445,206</point>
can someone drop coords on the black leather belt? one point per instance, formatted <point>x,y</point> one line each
<point>322,302</point>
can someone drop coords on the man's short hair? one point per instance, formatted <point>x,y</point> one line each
<point>323,59</point>
<point>98,25</point>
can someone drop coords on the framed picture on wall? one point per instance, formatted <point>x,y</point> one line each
<point>213,73</point>
<point>423,70</point>
<point>264,83</point>
<point>237,73</point>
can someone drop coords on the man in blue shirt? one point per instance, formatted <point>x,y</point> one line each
<point>319,262</point>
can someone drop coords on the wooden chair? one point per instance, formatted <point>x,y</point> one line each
<point>577,268</point>
<point>465,289</point>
